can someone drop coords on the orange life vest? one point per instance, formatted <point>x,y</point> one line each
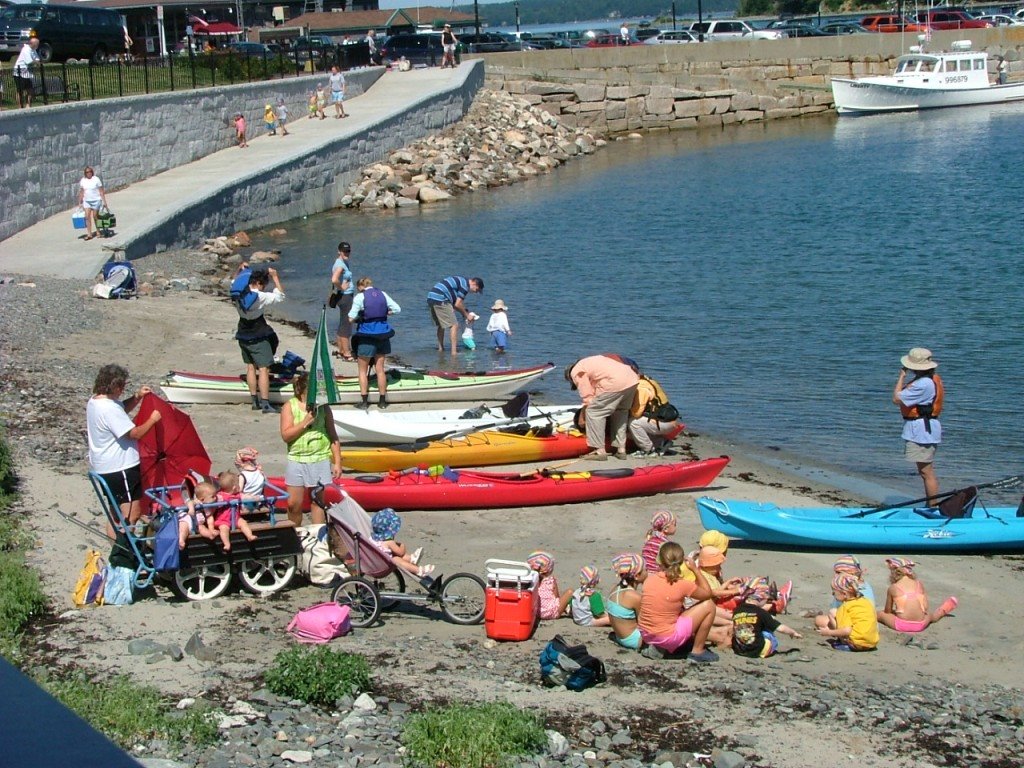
<point>925,410</point>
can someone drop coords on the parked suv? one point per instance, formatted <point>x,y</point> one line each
<point>315,42</point>
<point>733,29</point>
<point>889,22</point>
<point>64,31</point>
<point>417,48</point>
<point>945,19</point>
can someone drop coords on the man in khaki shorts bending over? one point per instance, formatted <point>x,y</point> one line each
<point>444,299</point>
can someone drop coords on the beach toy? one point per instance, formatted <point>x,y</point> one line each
<point>467,338</point>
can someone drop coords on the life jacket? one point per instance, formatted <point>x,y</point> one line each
<point>926,411</point>
<point>241,293</point>
<point>373,319</point>
<point>650,401</point>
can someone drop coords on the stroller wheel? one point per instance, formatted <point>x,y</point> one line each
<point>462,598</point>
<point>393,582</point>
<point>264,577</point>
<point>362,599</point>
<point>202,582</point>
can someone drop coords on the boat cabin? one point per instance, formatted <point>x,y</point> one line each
<point>959,68</point>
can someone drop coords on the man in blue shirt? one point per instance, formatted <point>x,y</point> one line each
<point>444,299</point>
<point>343,291</point>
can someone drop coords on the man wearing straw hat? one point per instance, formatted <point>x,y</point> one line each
<point>919,397</point>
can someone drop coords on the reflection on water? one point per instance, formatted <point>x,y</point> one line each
<point>770,276</point>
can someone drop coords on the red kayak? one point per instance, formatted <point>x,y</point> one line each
<point>463,489</point>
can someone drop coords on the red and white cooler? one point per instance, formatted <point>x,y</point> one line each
<point>512,605</point>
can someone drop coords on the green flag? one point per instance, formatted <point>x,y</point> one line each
<point>322,387</point>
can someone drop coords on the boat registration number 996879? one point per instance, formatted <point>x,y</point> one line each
<point>956,78</point>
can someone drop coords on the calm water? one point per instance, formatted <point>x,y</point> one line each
<point>769,276</point>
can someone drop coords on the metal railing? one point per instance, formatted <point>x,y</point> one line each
<point>54,83</point>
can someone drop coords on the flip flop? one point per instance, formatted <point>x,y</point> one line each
<point>89,237</point>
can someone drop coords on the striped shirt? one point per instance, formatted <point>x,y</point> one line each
<point>448,291</point>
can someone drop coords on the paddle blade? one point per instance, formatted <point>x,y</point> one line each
<point>322,388</point>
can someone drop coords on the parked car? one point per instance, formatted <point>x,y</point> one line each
<point>606,41</point>
<point>1002,20</point>
<point>889,22</point>
<point>485,42</point>
<point>314,42</point>
<point>947,19</point>
<point>733,29</point>
<point>259,50</point>
<point>671,36</point>
<point>646,33</point>
<point>416,47</point>
<point>795,29</point>
<point>64,31</point>
<point>843,28</point>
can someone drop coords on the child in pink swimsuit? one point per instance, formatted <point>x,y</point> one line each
<point>906,604</point>
<point>231,514</point>
<point>552,602</point>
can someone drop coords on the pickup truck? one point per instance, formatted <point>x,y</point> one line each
<point>733,29</point>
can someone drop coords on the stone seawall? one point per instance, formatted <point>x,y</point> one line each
<point>668,87</point>
<point>308,183</point>
<point>43,150</point>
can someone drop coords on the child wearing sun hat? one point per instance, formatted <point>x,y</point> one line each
<point>498,326</point>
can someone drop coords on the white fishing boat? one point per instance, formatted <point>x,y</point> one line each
<point>954,78</point>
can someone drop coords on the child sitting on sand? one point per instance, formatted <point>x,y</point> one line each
<point>906,604</point>
<point>855,626</point>
<point>552,602</point>
<point>663,525</point>
<point>386,524</point>
<point>753,627</point>
<point>196,520</point>
<point>624,601</point>
<point>587,606</point>
<point>231,515</point>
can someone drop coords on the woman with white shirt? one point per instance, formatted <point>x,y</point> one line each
<point>91,197</point>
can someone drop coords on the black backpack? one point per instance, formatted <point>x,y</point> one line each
<point>569,665</point>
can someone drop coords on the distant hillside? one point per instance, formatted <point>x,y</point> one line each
<point>559,11</point>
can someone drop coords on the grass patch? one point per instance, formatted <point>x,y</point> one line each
<point>318,676</point>
<point>21,594</point>
<point>473,735</point>
<point>129,713</point>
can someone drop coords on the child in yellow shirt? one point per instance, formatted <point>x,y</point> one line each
<point>855,626</point>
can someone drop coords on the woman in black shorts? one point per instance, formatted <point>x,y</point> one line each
<point>114,439</point>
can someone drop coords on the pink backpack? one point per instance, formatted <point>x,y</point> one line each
<point>320,623</point>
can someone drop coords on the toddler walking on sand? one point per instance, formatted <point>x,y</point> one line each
<point>906,604</point>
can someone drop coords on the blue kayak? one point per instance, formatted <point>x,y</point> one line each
<point>900,529</point>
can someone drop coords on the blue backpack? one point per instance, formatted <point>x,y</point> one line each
<point>569,665</point>
<point>243,296</point>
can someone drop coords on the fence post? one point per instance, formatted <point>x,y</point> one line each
<point>170,67</point>
<point>192,65</point>
<point>120,80</point>
<point>145,71</point>
<point>213,69</point>
<point>64,73</point>
<point>92,82</point>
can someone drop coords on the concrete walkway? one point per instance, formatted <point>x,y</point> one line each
<point>52,247</point>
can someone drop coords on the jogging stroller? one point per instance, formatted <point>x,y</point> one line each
<point>378,584</point>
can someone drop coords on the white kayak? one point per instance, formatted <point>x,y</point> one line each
<point>375,427</point>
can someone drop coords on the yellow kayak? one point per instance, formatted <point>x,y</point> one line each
<point>476,450</point>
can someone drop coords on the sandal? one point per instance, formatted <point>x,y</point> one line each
<point>348,358</point>
<point>89,237</point>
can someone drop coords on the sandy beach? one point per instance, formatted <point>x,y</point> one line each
<point>812,707</point>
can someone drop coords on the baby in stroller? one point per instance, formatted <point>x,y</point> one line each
<point>192,519</point>
<point>231,514</point>
<point>386,524</point>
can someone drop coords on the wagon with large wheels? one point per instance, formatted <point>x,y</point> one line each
<point>377,584</point>
<point>204,569</point>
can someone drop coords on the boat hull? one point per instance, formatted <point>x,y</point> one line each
<point>476,450</point>
<point>904,529</point>
<point>493,490</point>
<point>404,386</point>
<point>375,427</point>
<point>873,95</point>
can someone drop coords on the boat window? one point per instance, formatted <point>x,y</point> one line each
<point>979,64</point>
<point>952,65</point>
<point>927,66</point>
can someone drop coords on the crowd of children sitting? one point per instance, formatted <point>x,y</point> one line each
<point>666,602</point>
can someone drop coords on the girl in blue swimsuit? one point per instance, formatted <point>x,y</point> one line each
<point>624,601</point>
